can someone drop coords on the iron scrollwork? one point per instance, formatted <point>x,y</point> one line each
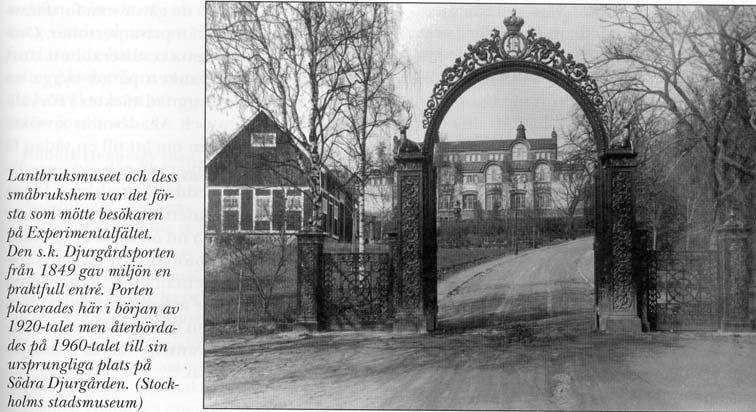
<point>621,271</point>
<point>513,45</point>
<point>410,218</point>
<point>683,290</point>
<point>357,289</point>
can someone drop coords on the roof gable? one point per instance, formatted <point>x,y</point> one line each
<point>238,163</point>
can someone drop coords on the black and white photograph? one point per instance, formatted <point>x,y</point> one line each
<point>447,206</point>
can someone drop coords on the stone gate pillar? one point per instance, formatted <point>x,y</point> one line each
<point>616,287</point>
<point>310,279</point>
<point>411,191</point>
<point>736,277</point>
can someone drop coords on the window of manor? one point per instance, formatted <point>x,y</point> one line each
<point>519,152</point>
<point>469,201</point>
<point>543,173</point>
<point>471,178</point>
<point>493,174</point>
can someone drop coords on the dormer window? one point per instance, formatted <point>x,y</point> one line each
<point>263,140</point>
<point>520,152</point>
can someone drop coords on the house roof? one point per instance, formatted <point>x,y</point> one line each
<point>268,124</point>
<point>509,167</point>
<point>244,125</point>
<point>231,137</point>
<point>495,145</point>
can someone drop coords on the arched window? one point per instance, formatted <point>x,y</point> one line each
<point>543,173</point>
<point>447,176</point>
<point>493,174</point>
<point>519,152</point>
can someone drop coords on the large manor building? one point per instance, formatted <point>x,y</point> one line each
<point>478,177</point>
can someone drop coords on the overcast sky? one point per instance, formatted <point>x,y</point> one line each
<point>432,36</point>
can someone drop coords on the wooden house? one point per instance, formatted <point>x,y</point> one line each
<point>254,186</point>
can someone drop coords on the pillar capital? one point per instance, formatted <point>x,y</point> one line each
<point>618,158</point>
<point>410,161</point>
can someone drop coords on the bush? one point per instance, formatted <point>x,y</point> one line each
<point>266,297</point>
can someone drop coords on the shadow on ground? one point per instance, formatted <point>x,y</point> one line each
<point>510,369</point>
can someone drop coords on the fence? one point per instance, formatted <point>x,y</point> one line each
<point>356,290</point>
<point>700,289</point>
<point>683,290</point>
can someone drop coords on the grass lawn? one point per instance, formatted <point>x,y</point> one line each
<point>222,289</point>
<point>452,260</point>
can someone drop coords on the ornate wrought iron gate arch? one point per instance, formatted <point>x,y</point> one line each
<point>415,286</point>
<point>593,113</point>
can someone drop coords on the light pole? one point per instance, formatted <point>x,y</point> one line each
<point>517,207</point>
<point>516,202</point>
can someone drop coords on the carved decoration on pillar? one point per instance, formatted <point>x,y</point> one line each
<point>396,264</point>
<point>411,267</point>
<point>735,264</point>
<point>737,282</point>
<point>622,228</point>
<point>309,256</point>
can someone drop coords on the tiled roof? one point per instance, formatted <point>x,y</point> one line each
<point>494,145</point>
<point>511,167</point>
<point>473,167</point>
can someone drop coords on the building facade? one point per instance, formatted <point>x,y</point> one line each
<point>254,186</point>
<point>483,177</point>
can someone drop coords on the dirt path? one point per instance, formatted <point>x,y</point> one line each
<point>544,288</point>
<point>512,361</point>
<point>483,371</point>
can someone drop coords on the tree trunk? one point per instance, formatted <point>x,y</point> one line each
<point>239,303</point>
<point>316,182</point>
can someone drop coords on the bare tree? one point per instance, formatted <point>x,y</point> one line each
<point>371,106</point>
<point>578,163</point>
<point>287,60</point>
<point>696,65</point>
<point>214,143</point>
<point>382,194</point>
<point>571,192</point>
<point>261,261</point>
